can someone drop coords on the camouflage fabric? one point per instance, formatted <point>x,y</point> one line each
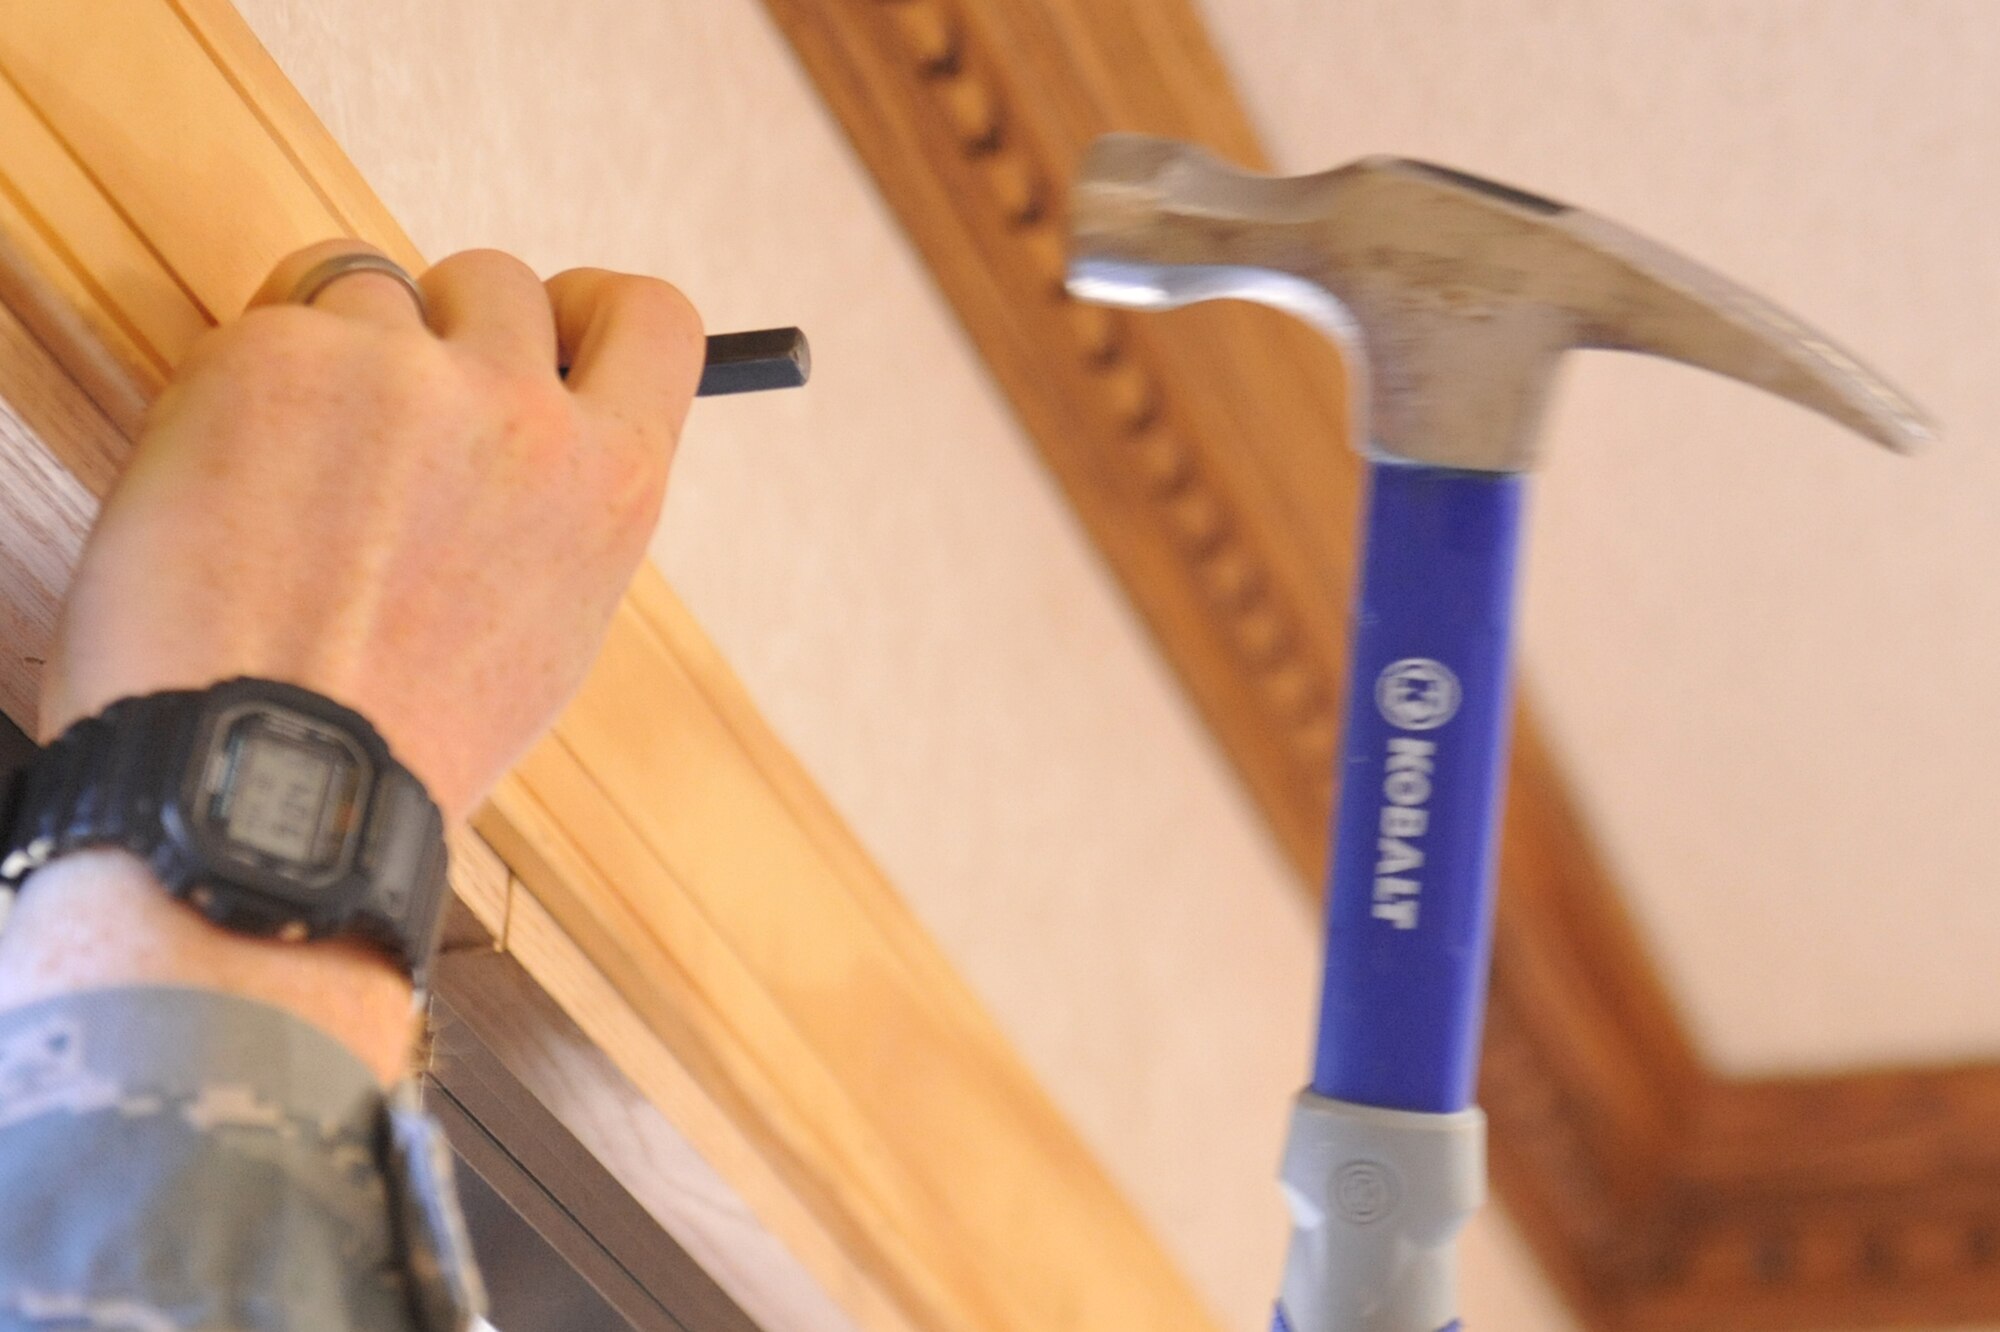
<point>173,1160</point>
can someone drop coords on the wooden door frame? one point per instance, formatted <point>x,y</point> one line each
<point>503,1134</point>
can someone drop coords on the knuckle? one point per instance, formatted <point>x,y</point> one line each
<point>414,373</point>
<point>664,308</point>
<point>634,498</point>
<point>289,356</point>
<point>270,341</point>
<point>629,477</point>
<point>272,328</point>
<point>540,426</point>
<point>483,266</point>
<point>546,416</point>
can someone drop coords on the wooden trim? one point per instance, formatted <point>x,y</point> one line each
<point>1847,1200</point>
<point>677,882</point>
<point>504,1134</point>
<point>1206,453</point>
<point>625,1130</point>
<point>543,1272</point>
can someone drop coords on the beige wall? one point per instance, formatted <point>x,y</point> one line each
<point>897,579</point>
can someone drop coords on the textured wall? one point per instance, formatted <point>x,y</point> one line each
<point>1767,650</point>
<point>889,568</point>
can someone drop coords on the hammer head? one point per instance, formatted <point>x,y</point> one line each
<point>1457,295</point>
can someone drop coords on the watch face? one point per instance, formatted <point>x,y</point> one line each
<point>284,791</point>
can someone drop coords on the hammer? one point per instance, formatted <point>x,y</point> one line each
<point>1453,298</point>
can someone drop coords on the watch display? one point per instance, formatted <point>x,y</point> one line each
<point>272,810</point>
<point>285,790</point>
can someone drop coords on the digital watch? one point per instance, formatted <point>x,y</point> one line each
<point>270,809</point>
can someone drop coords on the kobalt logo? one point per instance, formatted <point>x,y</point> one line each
<point>1414,694</point>
<point>1406,789</point>
<point>1417,694</point>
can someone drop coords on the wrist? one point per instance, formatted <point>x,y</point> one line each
<point>98,918</point>
<point>70,696</point>
<point>274,811</point>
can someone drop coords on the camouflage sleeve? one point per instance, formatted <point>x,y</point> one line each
<point>175,1160</point>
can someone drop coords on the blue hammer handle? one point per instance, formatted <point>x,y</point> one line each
<point>1410,892</point>
<point>1409,923</point>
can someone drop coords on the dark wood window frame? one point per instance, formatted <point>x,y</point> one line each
<point>568,1239</point>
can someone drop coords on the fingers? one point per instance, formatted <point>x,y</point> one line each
<point>493,303</point>
<point>633,344</point>
<point>371,296</point>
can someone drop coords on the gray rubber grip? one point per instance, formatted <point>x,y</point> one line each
<point>1378,1198</point>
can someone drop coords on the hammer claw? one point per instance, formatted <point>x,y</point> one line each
<point>1457,295</point>
<point>1676,308</point>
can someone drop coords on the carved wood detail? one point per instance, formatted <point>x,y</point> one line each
<point>1205,453</point>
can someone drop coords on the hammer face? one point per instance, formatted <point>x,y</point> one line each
<point>1453,296</point>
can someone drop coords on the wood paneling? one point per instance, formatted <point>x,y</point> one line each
<point>673,878</point>
<point>1206,451</point>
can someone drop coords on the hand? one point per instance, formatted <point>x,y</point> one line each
<point>424,523</point>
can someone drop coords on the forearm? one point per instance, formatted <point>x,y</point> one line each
<point>97,919</point>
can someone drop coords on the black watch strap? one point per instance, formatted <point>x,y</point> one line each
<point>124,778</point>
<point>100,783</point>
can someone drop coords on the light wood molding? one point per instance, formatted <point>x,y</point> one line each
<point>672,877</point>
<point>1206,453</point>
